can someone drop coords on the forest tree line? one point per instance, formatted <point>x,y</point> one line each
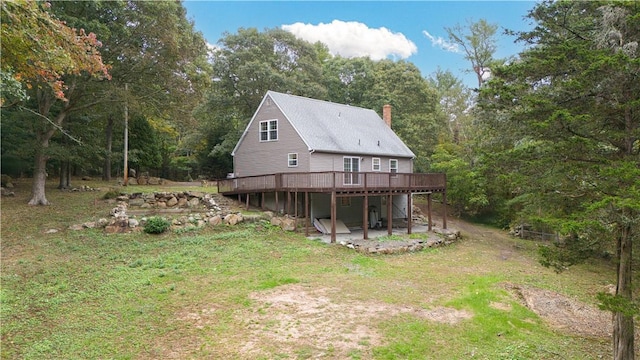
<point>550,139</point>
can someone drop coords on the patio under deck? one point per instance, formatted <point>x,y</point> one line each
<point>341,184</point>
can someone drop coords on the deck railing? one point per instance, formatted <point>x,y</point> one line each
<point>334,181</point>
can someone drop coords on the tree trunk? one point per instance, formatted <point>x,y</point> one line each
<point>106,170</point>
<point>623,331</point>
<point>65,174</point>
<point>43,136</point>
<point>39,179</point>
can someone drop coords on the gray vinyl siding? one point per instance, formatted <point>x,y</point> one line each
<point>334,162</point>
<point>253,157</point>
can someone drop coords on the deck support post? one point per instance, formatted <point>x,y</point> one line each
<point>409,213</point>
<point>247,202</point>
<point>429,211</point>
<point>277,204</point>
<point>306,213</point>
<point>365,216</point>
<point>295,207</point>
<point>389,214</point>
<point>444,209</point>
<point>333,216</point>
<point>288,206</point>
<point>262,201</point>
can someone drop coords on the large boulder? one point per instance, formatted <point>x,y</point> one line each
<point>118,226</point>
<point>194,202</point>
<point>232,219</point>
<point>288,224</point>
<point>172,202</point>
<point>154,181</point>
<point>215,220</point>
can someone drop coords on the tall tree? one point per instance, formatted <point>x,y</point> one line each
<point>414,106</point>
<point>570,107</point>
<point>477,40</point>
<point>49,58</point>
<point>246,65</point>
<point>372,84</point>
<point>349,81</point>
<point>150,46</point>
<point>155,53</point>
<point>456,102</point>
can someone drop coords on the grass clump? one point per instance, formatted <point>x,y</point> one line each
<point>111,194</point>
<point>391,238</point>
<point>156,225</point>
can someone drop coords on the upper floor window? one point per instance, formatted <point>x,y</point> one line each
<point>293,159</point>
<point>269,130</point>
<point>393,166</point>
<point>375,164</point>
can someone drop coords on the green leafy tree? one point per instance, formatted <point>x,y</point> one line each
<point>465,185</point>
<point>349,81</point>
<point>246,65</point>
<point>456,102</point>
<point>159,65</point>
<point>372,84</point>
<point>151,50</point>
<point>144,145</point>
<point>570,109</point>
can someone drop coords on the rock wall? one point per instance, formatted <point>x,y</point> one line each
<point>200,210</point>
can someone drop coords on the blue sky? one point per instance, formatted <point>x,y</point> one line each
<point>409,30</point>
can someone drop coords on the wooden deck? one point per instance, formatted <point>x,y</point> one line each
<point>341,184</point>
<point>335,181</point>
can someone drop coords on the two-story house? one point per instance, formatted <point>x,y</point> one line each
<point>346,161</point>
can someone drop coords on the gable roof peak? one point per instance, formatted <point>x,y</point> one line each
<point>339,128</point>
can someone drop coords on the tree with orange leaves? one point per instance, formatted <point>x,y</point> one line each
<point>41,53</point>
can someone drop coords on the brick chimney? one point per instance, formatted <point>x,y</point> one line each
<point>386,114</point>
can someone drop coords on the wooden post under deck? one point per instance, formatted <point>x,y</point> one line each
<point>277,205</point>
<point>306,213</point>
<point>409,213</point>
<point>429,211</point>
<point>295,207</point>
<point>333,217</point>
<point>444,209</point>
<point>389,214</point>
<point>247,204</point>
<point>365,216</point>
<point>262,201</point>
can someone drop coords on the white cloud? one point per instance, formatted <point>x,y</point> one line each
<point>442,43</point>
<point>355,39</point>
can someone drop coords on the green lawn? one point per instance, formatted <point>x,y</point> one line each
<point>89,295</point>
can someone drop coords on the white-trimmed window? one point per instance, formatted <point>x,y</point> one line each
<point>375,164</point>
<point>393,166</point>
<point>351,170</point>
<point>269,130</point>
<point>292,159</point>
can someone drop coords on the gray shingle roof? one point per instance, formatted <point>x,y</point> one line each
<point>329,127</point>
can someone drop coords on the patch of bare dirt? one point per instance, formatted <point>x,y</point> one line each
<point>564,313</point>
<point>294,317</point>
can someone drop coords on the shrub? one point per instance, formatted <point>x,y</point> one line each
<point>156,225</point>
<point>111,194</point>
<point>5,180</point>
